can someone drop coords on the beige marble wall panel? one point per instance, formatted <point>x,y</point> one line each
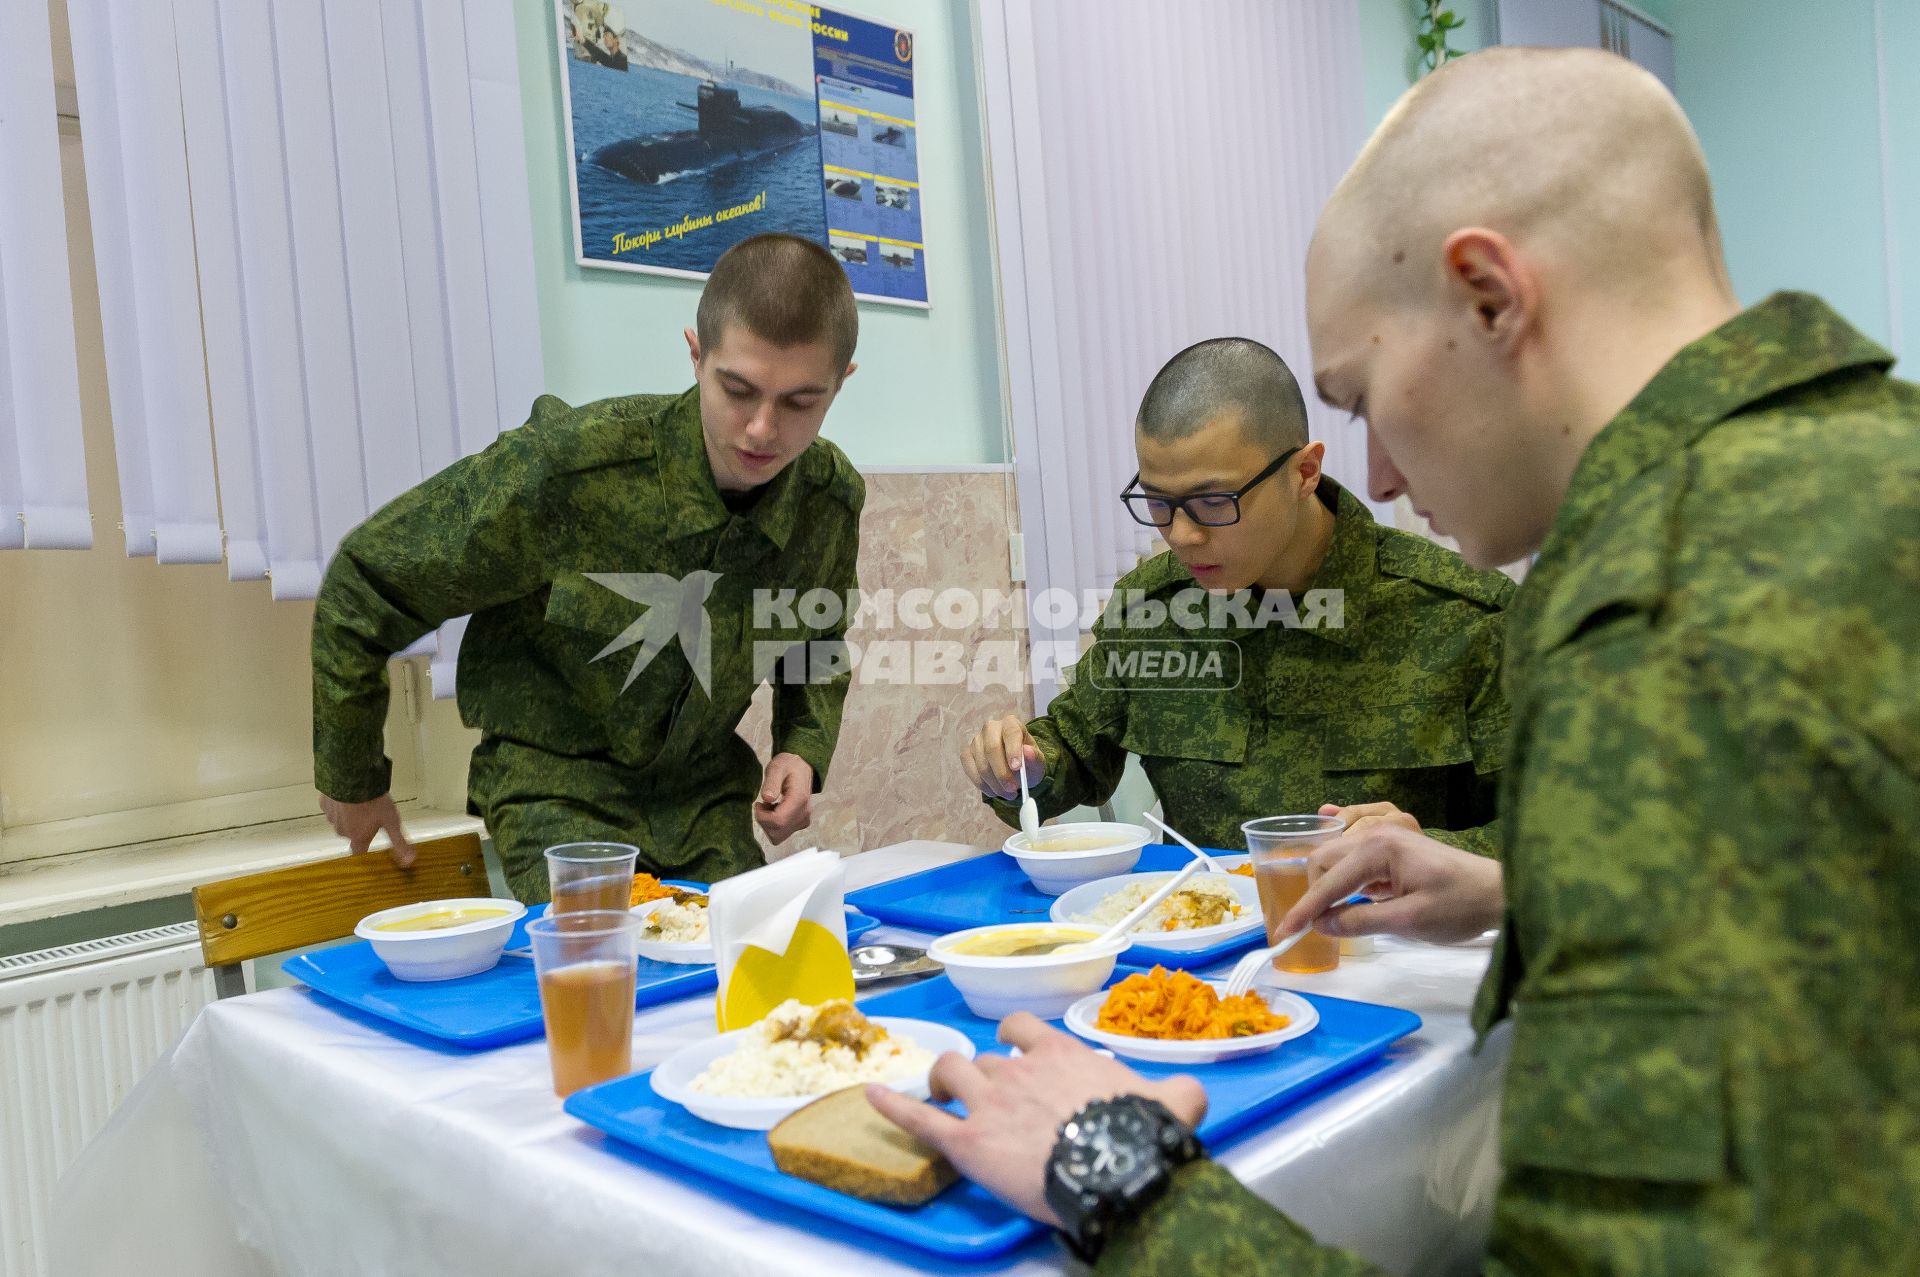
<point>896,773</point>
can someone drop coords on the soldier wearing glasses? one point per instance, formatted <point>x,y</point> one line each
<point>1362,664</point>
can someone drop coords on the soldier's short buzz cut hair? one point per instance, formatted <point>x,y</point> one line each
<point>783,289</point>
<point>1222,376</point>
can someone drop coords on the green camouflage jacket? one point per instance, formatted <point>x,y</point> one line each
<point>1388,690</point>
<point>544,537</point>
<point>1712,827</point>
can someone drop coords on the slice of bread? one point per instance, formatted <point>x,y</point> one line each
<point>841,1142</point>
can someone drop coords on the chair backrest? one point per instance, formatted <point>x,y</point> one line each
<point>263,913</point>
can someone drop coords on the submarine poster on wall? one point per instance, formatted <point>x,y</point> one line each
<point>694,124</point>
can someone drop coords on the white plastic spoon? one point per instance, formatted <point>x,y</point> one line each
<point>1213,866</point>
<point>1141,910</point>
<point>1029,810</point>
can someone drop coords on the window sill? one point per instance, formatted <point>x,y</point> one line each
<point>52,888</point>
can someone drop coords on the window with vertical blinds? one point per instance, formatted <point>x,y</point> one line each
<point>43,479</point>
<point>1156,179</point>
<point>315,261</point>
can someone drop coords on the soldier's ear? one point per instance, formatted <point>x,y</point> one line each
<point>1311,460</point>
<point>852,368</point>
<point>693,347</point>
<point>1488,276</point>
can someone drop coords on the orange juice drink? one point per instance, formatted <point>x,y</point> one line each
<point>589,1014</point>
<point>590,875</point>
<point>585,964</point>
<point>1279,846</point>
<point>608,891</point>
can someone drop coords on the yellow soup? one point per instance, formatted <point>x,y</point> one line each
<point>441,919</point>
<point>1086,842</point>
<point>1020,944</point>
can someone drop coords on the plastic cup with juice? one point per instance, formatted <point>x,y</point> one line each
<point>590,875</point>
<point>585,963</point>
<point>1279,847</point>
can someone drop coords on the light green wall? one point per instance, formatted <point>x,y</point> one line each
<point>1787,109</point>
<point>1390,61</point>
<point>928,389</point>
<point>1902,38</point>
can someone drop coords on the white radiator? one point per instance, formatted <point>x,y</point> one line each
<point>79,1025</point>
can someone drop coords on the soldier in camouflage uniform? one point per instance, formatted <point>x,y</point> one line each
<point>609,556</point>
<point>1711,806</point>
<point>1361,666</point>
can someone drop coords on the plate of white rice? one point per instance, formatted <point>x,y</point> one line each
<point>751,1078</point>
<point>1182,923</point>
<point>674,932</point>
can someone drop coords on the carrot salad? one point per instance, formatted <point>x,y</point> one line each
<point>647,887</point>
<point>1175,1005</point>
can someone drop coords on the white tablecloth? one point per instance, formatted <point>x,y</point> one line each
<point>281,1137</point>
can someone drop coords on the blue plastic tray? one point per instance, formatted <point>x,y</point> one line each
<point>493,1008</point>
<point>986,890</point>
<point>965,1222</point>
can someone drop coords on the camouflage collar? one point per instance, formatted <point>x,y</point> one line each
<point>1785,341</point>
<point>695,497</point>
<point>1351,564</point>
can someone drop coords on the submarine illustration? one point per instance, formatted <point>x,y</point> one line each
<point>727,132</point>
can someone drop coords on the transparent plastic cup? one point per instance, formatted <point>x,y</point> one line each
<point>585,962</point>
<point>1279,847</point>
<point>590,875</point>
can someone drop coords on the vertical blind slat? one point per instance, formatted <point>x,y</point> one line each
<point>275,378</point>
<point>43,478</point>
<point>216,235</point>
<point>95,89</point>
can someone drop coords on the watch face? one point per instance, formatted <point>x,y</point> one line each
<point>1112,1149</point>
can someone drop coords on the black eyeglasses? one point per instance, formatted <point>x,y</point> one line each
<point>1208,509</point>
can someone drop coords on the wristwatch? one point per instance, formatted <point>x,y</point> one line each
<point>1112,1160</point>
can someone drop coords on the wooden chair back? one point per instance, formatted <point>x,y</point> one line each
<point>259,914</point>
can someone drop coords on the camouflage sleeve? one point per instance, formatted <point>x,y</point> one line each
<point>1481,840</point>
<point>1210,1225</point>
<point>1077,738</point>
<point>1472,820</point>
<point>806,715</point>
<point>466,539</point>
<point>1667,779</point>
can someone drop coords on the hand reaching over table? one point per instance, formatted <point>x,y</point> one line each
<point>1015,1106</point>
<point>1417,887</point>
<point>990,758</point>
<point>785,806</point>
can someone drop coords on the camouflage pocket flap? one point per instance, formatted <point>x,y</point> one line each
<point>581,603</point>
<point>1621,1088</point>
<point>1208,727</point>
<point>1393,737</point>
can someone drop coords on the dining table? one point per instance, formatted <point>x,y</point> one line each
<point>284,1135</point>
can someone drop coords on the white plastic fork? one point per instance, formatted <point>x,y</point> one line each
<point>1247,970</point>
